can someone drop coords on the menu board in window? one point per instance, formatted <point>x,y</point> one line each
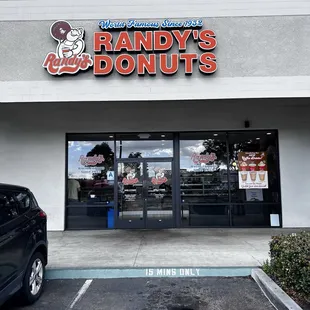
<point>253,172</point>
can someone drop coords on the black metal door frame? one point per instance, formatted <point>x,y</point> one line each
<point>146,223</point>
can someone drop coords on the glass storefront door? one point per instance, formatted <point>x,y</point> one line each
<point>159,198</point>
<point>145,194</point>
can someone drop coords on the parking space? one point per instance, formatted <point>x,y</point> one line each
<point>212,293</point>
<point>57,294</point>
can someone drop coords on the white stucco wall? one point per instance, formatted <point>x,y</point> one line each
<point>246,68</point>
<point>32,138</point>
<point>97,9</point>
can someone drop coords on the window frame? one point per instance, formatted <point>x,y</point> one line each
<point>11,223</point>
<point>31,203</point>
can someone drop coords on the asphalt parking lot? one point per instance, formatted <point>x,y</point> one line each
<point>211,293</point>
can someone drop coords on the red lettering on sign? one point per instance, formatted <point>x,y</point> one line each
<point>48,63</point>
<point>98,69</point>
<point>130,181</point>
<point>164,64</point>
<point>58,66</point>
<point>208,63</point>
<point>182,38</point>
<point>203,159</point>
<point>91,160</point>
<point>123,42</point>
<point>189,59</point>
<point>159,181</point>
<point>146,38</point>
<point>146,64</point>
<point>119,64</point>
<point>158,37</point>
<point>208,38</point>
<point>145,41</point>
<point>103,39</point>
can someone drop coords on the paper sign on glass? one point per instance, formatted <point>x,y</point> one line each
<point>253,172</point>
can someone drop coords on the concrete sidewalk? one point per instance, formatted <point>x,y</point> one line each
<point>160,248</point>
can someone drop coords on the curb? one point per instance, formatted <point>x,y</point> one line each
<point>273,292</point>
<point>149,272</point>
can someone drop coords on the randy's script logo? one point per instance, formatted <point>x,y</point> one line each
<point>69,57</point>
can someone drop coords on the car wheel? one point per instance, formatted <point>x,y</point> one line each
<point>34,279</point>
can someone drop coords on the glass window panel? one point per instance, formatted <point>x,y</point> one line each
<point>23,200</point>
<point>264,144</point>
<point>130,191</point>
<point>159,190</point>
<point>90,190</point>
<point>205,215</point>
<point>203,168</point>
<point>144,145</point>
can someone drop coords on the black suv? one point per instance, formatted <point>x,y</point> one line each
<point>23,244</point>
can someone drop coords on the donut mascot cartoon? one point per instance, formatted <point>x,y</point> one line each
<point>70,40</point>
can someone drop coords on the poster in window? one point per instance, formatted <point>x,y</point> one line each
<point>253,172</point>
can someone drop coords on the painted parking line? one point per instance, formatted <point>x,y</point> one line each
<point>57,295</point>
<point>115,273</point>
<point>144,293</point>
<point>80,293</point>
<point>233,293</point>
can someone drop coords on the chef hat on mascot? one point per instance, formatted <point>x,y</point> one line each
<point>60,29</point>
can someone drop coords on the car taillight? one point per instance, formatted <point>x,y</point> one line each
<point>42,214</point>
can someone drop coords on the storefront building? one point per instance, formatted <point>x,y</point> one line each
<point>119,116</point>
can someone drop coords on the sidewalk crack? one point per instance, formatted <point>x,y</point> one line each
<point>139,249</point>
<point>251,245</point>
<point>260,264</point>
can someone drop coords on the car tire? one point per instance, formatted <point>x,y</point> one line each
<point>33,281</point>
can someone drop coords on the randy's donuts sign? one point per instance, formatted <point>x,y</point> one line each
<point>140,47</point>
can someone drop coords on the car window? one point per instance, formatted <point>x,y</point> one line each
<point>24,201</point>
<point>8,208</point>
<point>34,202</point>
